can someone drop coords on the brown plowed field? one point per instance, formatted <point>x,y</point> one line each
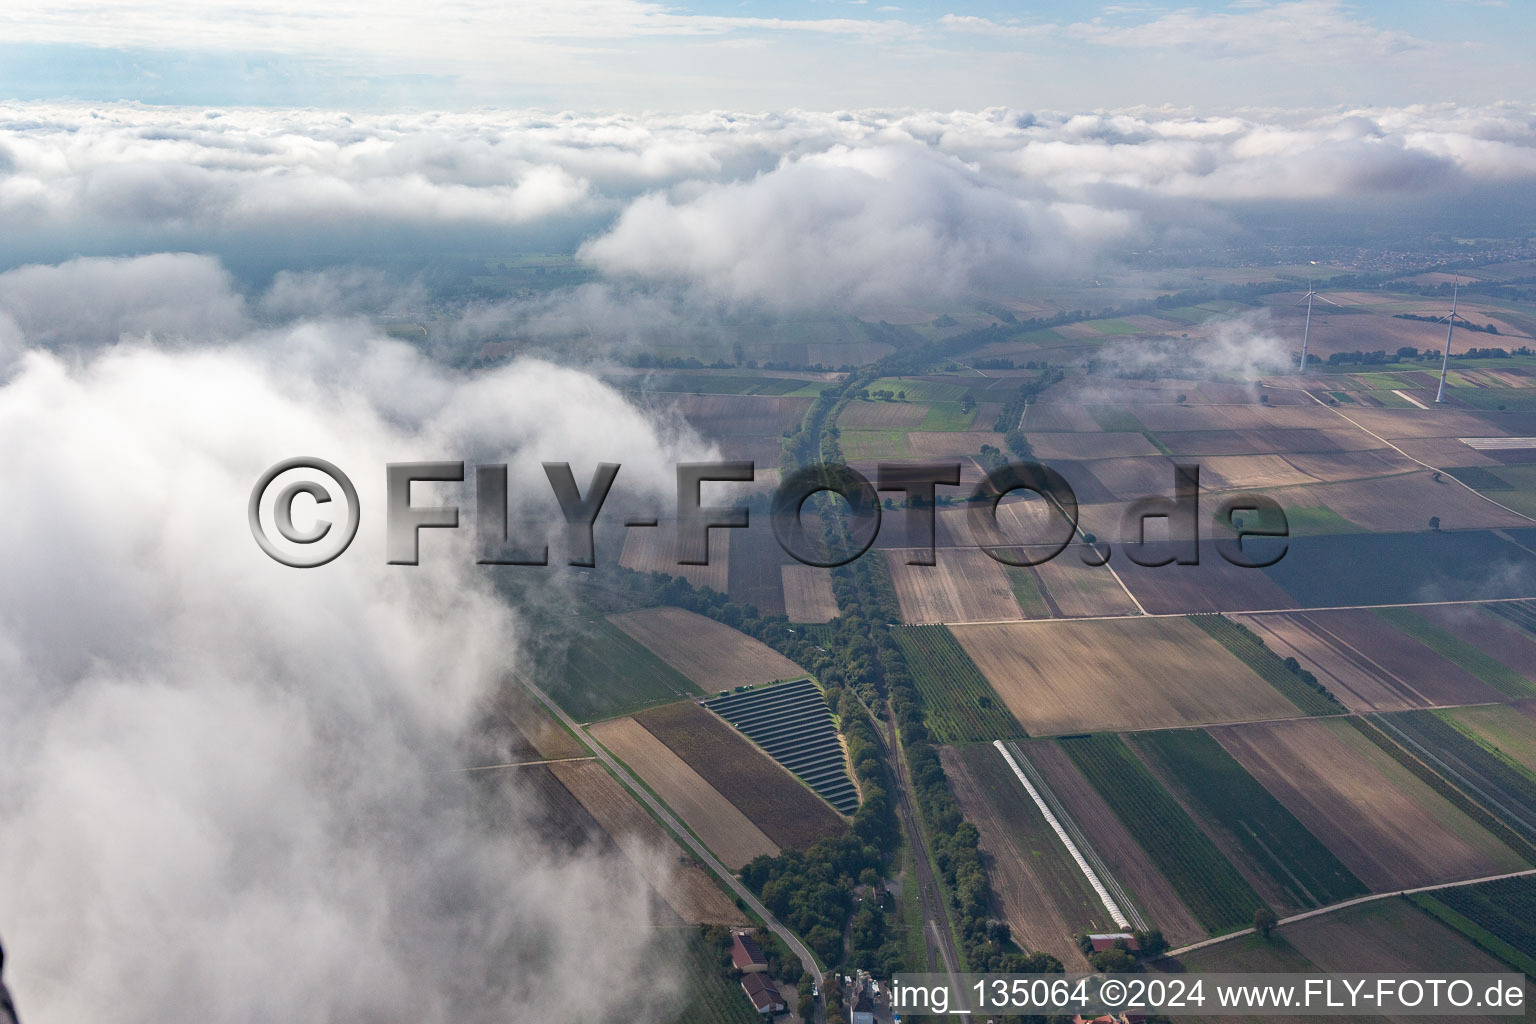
<point>712,654</point>
<point>654,549</point>
<point>1124,856</point>
<point>1122,675</point>
<point>777,802</point>
<point>808,593</point>
<point>967,585</point>
<point>1388,827</point>
<point>1039,888</point>
<point>680,880</point>
<point>723,828</point>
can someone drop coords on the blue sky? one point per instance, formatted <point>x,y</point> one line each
<point>759,55</point>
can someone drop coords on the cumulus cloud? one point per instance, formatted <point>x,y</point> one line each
<point>229,787</point>
<point>786,208</point>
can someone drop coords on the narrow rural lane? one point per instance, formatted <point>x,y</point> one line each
<point>807,960</point>
<point>1332,907</point>
<point>937,934</point>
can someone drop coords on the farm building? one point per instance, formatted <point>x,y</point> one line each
<point>1108,940</point>
<point>764,994</point>
<point>864,1010</point>
<point>746,954</point>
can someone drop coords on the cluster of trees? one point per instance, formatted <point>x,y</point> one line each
<point>1306,676</point>
<point>647,361</point>
<point>882,395</point>
<point>1485,328</point>
<point>1008,418</point>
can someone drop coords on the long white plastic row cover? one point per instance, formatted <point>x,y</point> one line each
<point>1093,879</point>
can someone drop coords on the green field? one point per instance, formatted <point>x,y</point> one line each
<point>1112,419</point>
<point>1241,641</point>
<point>874,444</point>
<point>960,706</point>
<point>1499,917</point>
<point>1498,399</point>
<point>924,390</point>
<point>711,996</point>
<point>1498,783</point>
<point>947,416</point>
<point>1470,657</point>
<point>1220,898</point>
<point>1026,591</point>
<point>603,672</point>
<point>1481,479</point>
<point>1317,519</point>
<point>1218,787</point>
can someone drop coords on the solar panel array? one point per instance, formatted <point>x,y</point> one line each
<point>791,722</point>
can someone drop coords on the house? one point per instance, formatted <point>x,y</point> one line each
<point>863,1010</point>
<point>746,955</point>
<point>763,993</point>
<point>1108,940</point>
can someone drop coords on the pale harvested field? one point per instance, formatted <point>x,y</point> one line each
<point>1127,861</point>
<point>654,549</point>
<point>712,654</point>
<point>1389,828</point>
<point>1395,423</point>
<point>713,818</point>
<point>1333,466</point>
<point>1246,472</point>
<point>1079,590</point>
<point>543,733</point>
<point>678,879</point>
<point>1049,447</point>
<point>881,415</point>
<point>1129,479</point>
<point>938,444</point>
<point>1064,677</point>
<point>808,593</point>
<point>1029,894</point>
<point>1159,418</point>
<point>967,585</point>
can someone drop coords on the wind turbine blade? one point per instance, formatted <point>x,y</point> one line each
<point>1331,302</point>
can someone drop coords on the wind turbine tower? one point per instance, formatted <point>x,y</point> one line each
<point>1307,330</point>
<point>1450,326</point>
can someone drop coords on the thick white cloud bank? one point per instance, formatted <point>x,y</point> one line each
<point>800,209</point>
<point>228,788</point>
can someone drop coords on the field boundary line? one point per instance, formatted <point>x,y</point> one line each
<point>1110,905</point>
<point>1235,611</point>
<point>516,764</point>
<point>1332,907</point>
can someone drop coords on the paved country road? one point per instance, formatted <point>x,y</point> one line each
<point>807,960</point>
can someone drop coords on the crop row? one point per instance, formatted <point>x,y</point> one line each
<point>1222,790</point>
<point>1298,685</point>
<point>960,706</point>
<point>1220,898</point>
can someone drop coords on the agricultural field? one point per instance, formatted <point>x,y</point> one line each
<point>1497,917</point>
<point>1388,568</point>
<point>808,594</point>
<point>516,728</point>
<point>712,654</point>
<point>1388,827</point>
<point>966,585</point>
<point>1244,643</point>
<point>654,549</point>
<point>779,804</point>
<point>1218,895</point>
<point>1071,589</point>
<point>753,572</point>
<point>961,707</point>
<point>1288,861</point>
<point>1384,936</point>
<point>707,813</point>
<point>792,724</point>
<point>1499,657</point>
<point>1123,675</point>
<point>1367,663</point>
<point>1151,891</point>
<point>1041,891</point>
<point>1214,585</point>
<point>682,882</point>
<point>599,671</point>
<point>1501,786</point>
<point>1507,729</point>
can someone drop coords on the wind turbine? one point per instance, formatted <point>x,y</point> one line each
<point>1450,326</point>
<point>1307,330</point>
